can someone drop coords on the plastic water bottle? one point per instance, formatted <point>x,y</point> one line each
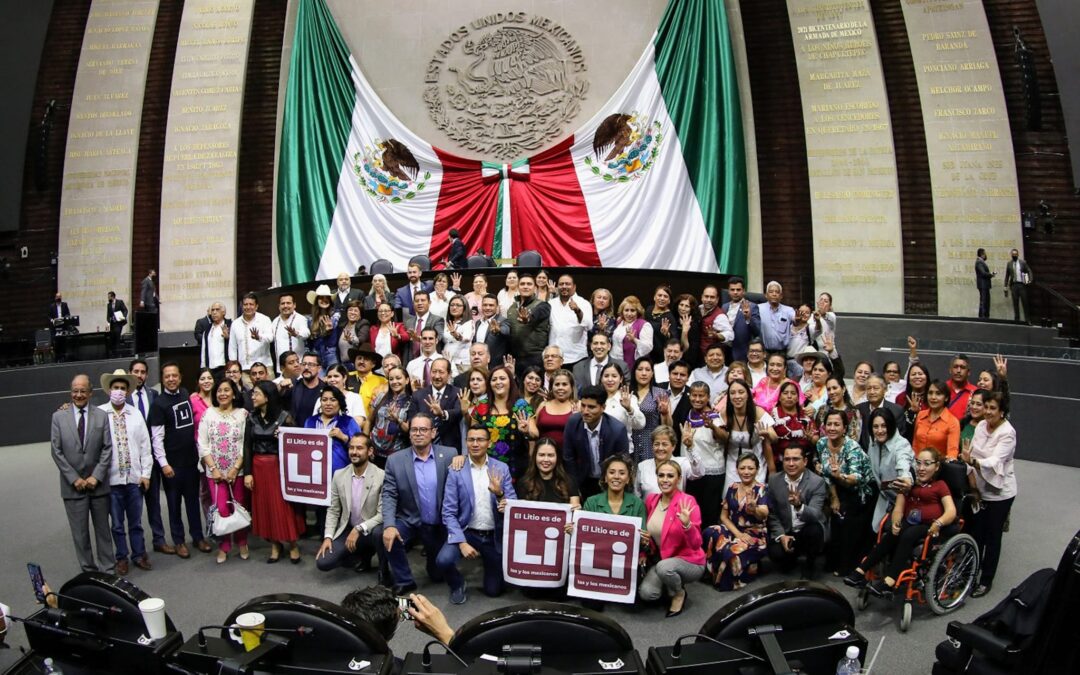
<point>849,665</point>
<point>50,668</point>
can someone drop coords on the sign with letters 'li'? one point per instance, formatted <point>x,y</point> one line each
<point>304,456</point>
<point>535,544</point>
<point>604,557</point>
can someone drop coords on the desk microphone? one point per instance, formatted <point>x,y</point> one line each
<point>299,630</point>
<point>425,658</point>
<point>89,608</point>
<point>676,651</point>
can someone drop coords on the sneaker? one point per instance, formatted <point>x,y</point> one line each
<point>980,590</point>
<point>855,579</point>
<point>458,596</point>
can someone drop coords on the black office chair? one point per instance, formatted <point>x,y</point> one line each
<point>793,604</point>
<point>529,259</point>
<point>476,262</point>
<point>422,260</point>
<point>382,266</point>
<point>565,630</point>
<point>338,637</point>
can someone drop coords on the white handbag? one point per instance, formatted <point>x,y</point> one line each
<point>222,526</point>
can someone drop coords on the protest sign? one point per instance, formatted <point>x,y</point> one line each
<point>604,557</point>
<point>305,457</point>
<point>535,544</point>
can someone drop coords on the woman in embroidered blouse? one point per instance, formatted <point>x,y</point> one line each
<point>662,319</point>
<point>837,398</point>
<point>633,336</point>
<point>602,310</point>
<point>815,395</point>
<point>792,427</point>
<point>334,416</point>
<point>508,295</point>
<point>202,399</point>
<point>703,438</point>
<point>457,335</point>
<point>506,417</point>
<point>747,428</point>
<point>767,391</point>
<point>387,426</point>
<point>621,404</point>
<point>388,336</point>
<point>379,294</point>
<point>847,470</point>
<point>674,525</point>
<point>648,395</point>
<point>221,450</point>
<point>935,426</point>
<point>735,546</point>
<point>993,475</point>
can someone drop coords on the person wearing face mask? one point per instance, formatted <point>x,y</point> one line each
<point>927,508</point>
<point>1017,277</point>
<point>129,470</point>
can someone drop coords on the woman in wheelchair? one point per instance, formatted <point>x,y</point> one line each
<point>927,508</point>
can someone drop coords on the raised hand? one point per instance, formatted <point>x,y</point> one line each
<point>573,305</point>
<point>463,397</point>
<point>552,290</point>
<point>746,308</point>
<point>225,331</point>
<point>523,419</point>
<point>493,325</point>
<point>495,484</point>
<point>829,342</point>
<point>685,509</point>
<point>455,279</point>
<point>510,362</point>
<point>915,401</point>
<point>602,321</point>
<point>687,435</point>
<point>254,333</point>
<point>663,405</point>
<point>665,327</point>
<point>1001,365</point>
<point>685,323</point>
<point>434,403</point>
<point>624,397</point>
<point>523,314</point>
<point>912,343</point>
<point>834,465</point>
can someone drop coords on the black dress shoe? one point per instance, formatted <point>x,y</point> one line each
<point>855,580</point>
<point>880,589</point>
<point>404,589</point>
<point>685,602</point>
<point>980,590</point>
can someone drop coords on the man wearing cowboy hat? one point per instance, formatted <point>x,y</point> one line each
<point>806,358</point>
<point>129,469</point>
<point>250,337</point>
<point>364,380</point>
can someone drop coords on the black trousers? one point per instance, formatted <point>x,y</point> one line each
<point>808,542</point>
<point>339,555</point>
<point>984,303</point>
<point>184,486</point>
<point>1020,297</point>
<point>986,527</point>
<point>847,540</point>
<point>709,493</point>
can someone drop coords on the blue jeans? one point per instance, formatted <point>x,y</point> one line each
<point>126,504</point>
<point>432,538</point>
<point>484,543</point>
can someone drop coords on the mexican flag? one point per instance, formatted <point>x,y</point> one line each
<point>655,179</point>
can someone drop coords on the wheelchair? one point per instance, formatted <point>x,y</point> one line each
<point>944,569</point>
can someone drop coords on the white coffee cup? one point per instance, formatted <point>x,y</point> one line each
<point>153,614</point>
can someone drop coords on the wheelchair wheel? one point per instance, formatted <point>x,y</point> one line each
<point>954,572</point>
<point>905,618</point>
<point>862,600</point>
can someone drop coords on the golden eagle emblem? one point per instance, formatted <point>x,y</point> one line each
<point>625,146</point>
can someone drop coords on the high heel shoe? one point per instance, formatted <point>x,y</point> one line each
<point>275,555</point>
<point>222,556</point>
<point>677,612</point>
<point>245,553</point>
<point>294,555</point>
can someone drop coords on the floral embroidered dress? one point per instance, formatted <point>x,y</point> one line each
<point>732,562</point>
<point>508,443</point>
<point>221,435</point>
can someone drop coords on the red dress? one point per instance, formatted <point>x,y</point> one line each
<point>552,426</point>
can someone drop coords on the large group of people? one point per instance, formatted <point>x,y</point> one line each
<point>728,428</point>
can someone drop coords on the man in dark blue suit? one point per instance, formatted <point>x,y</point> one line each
<point>440,400</point>
<point>412,504</point>
<point>745,320</point>
<point>472,514</point>
<point>458,259</point>
<point>403,297</point>
<point>142,398</point>
<point>590,437</point>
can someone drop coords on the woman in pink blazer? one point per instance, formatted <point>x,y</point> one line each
<point>674,527</point>
<point>387,335</point>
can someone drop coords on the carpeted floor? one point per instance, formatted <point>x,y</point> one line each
<point>197,591</point>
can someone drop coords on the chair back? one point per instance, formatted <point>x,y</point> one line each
<point>791,604</point>
<point>476,262</point>
<point>529,259</point>
<point>382,266</point>
<point>556,628</point>
<point>422,260</point>
<point>955,476</point>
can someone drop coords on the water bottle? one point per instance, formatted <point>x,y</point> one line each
<point>849,665</point>
<point>50,668</point>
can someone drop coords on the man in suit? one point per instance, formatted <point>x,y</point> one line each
<point>875,398</point>
<point>458,258</point>
<point>212,336</point>
<point>983,280</point>
<point>148,297</point>
<point>403,297</point>
<point>412,504</point>
<point>473,517</point>
<point>590,437</point>
<point>479,357</point>
<point>587,372</point>
<point>141,398</point>
<point>675,409</point>
<point>1017,277</point>
<point>59,308</point>
<point>346,293</point>
<point>492,329</point>
<point>116,314</point>
<point>744,316</point>
<point>440,400</point>
<point>797,518</point>
<point>423,320</point>
<point>355,511</point>
<point>419,369</point>
<point>82,449</point>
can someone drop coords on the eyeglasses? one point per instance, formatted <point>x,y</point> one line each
<point>419,430</point>
<point>925,463</point>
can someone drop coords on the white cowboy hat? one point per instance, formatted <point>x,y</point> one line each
<point>119,374</point>
<point>322,290</point>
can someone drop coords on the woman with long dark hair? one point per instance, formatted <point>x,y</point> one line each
<point>546,479</point>
<point>688,322</point>
<point>661,317</point>
<point>457,336</point>
<point>791,425</point>
<point>387,427</point>
<point>935,426</point>
<point>735,546</point>
<point>837,398</point>
<point>388,336</point>
<point>352,329</point>
<point>324,322</point>
<point>506,418</point>
<point>553,414</point>
<point>749,430</point>
<point>891,462</point>
<point>272,518</point>
<point>648,395</point>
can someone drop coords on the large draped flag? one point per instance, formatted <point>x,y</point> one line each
<point>656,179</point>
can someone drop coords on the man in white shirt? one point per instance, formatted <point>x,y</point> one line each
<point>571,319</point>
<point>472,513</point>
<point>553,362</point>
<point>713,373</point>
<point>755,360</point>
<point>419,369</point>
<point>673,352</point>
<point>214,342</point>
<point>587,373</point>
<point>290,329</point>
<point>346,293</point>
<point>250,337</point>
<point>129,470</point>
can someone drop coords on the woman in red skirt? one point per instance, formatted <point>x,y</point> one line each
<point>272,518</point>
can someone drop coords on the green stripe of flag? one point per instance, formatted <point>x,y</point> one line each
<point>319,102</point>
<point>696,69</point>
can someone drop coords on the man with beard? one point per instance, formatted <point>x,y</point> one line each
<point>355,512</point>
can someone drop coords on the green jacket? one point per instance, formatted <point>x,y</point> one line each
<point>529,338</point>
<point>631,506</point>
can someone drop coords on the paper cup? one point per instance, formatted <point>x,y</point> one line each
<point>250,625</point>
<point>153,614</point>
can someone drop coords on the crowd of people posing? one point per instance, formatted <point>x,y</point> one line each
<point>729,429</point>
